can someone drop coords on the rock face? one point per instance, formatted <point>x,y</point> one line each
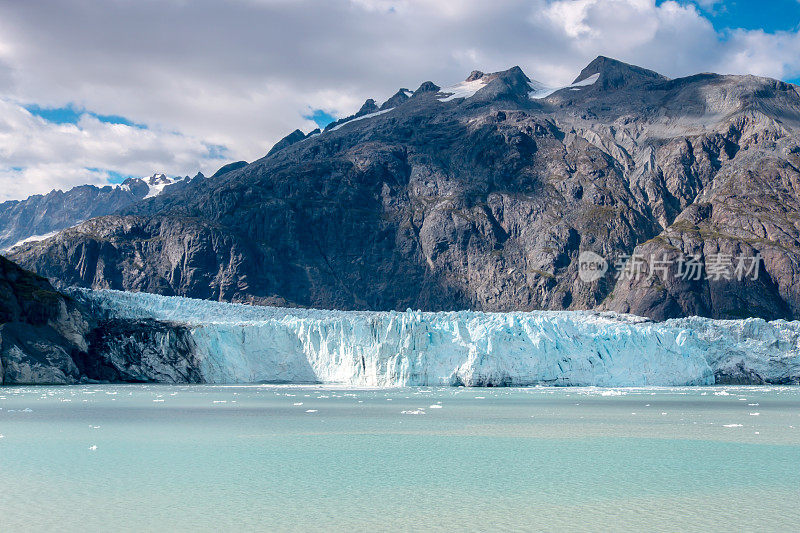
<point>486,199</point>
<point>41,330</point>
<point>140,351</point>
<point>230,167</point>
<point>47,337</point>
<point>164,255</point>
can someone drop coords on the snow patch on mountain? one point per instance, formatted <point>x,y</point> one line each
<point>157,184</point>
<point>32,238</point>
<point>465,89</point>
<point>540,90</point>
<point>591,80</point>
<point>362,117</point>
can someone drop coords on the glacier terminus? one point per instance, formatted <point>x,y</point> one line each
<point>236,343</point>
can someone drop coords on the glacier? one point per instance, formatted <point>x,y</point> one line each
<point>237,343</point>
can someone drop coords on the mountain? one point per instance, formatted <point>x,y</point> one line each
<point>40,216</point>
<point>487,195</point>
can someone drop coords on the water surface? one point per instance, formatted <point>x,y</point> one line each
<point>224,458</point>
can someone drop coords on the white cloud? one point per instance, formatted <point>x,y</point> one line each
<point>38,156</point>
<point>763,54</point>
<point>243,73</point>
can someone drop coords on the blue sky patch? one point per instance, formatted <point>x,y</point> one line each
<point>217,151</point>
<point>322,118</point>
<point>113,176</point>
<point>56,115</point>
<point>71,115</point>
<point>767,15</point>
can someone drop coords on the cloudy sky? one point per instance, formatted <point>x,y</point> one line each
<point>92,91</point>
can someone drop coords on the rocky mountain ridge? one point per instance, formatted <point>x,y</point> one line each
<point>485,195</point>
<point>41,216</point>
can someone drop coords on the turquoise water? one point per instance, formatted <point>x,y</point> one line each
<point>189,458</point>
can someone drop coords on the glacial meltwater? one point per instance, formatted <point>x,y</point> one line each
<point>252,457</point>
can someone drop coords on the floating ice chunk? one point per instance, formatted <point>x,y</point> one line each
<point>413,412</point>
<point>93,447</point>
<point>435,406</point>
<point>311,410</point>
<point>732,425</point>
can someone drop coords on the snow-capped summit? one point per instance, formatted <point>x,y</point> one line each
<point>159,179</point>
<point>157,183</point>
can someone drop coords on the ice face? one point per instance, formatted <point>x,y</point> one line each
<point>245,344</point>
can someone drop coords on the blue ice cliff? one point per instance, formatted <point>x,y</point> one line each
<point>233,343</point>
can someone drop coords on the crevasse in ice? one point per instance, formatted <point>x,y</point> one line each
<point>246,344</point>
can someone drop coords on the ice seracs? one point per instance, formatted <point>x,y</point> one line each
<point>245,344</point>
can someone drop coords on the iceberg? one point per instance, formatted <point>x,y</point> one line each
<point>236,343</point>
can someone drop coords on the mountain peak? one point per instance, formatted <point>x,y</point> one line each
<point>158,179</point>
<point>427,87</point>
<point>368,107</point>
<point>398,98</point>
<point>295,136</point>
<point>230,167</point>
<point>614,73</point>
<point>511,83</point>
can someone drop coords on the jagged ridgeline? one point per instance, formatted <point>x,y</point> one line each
<point>484,195</point>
